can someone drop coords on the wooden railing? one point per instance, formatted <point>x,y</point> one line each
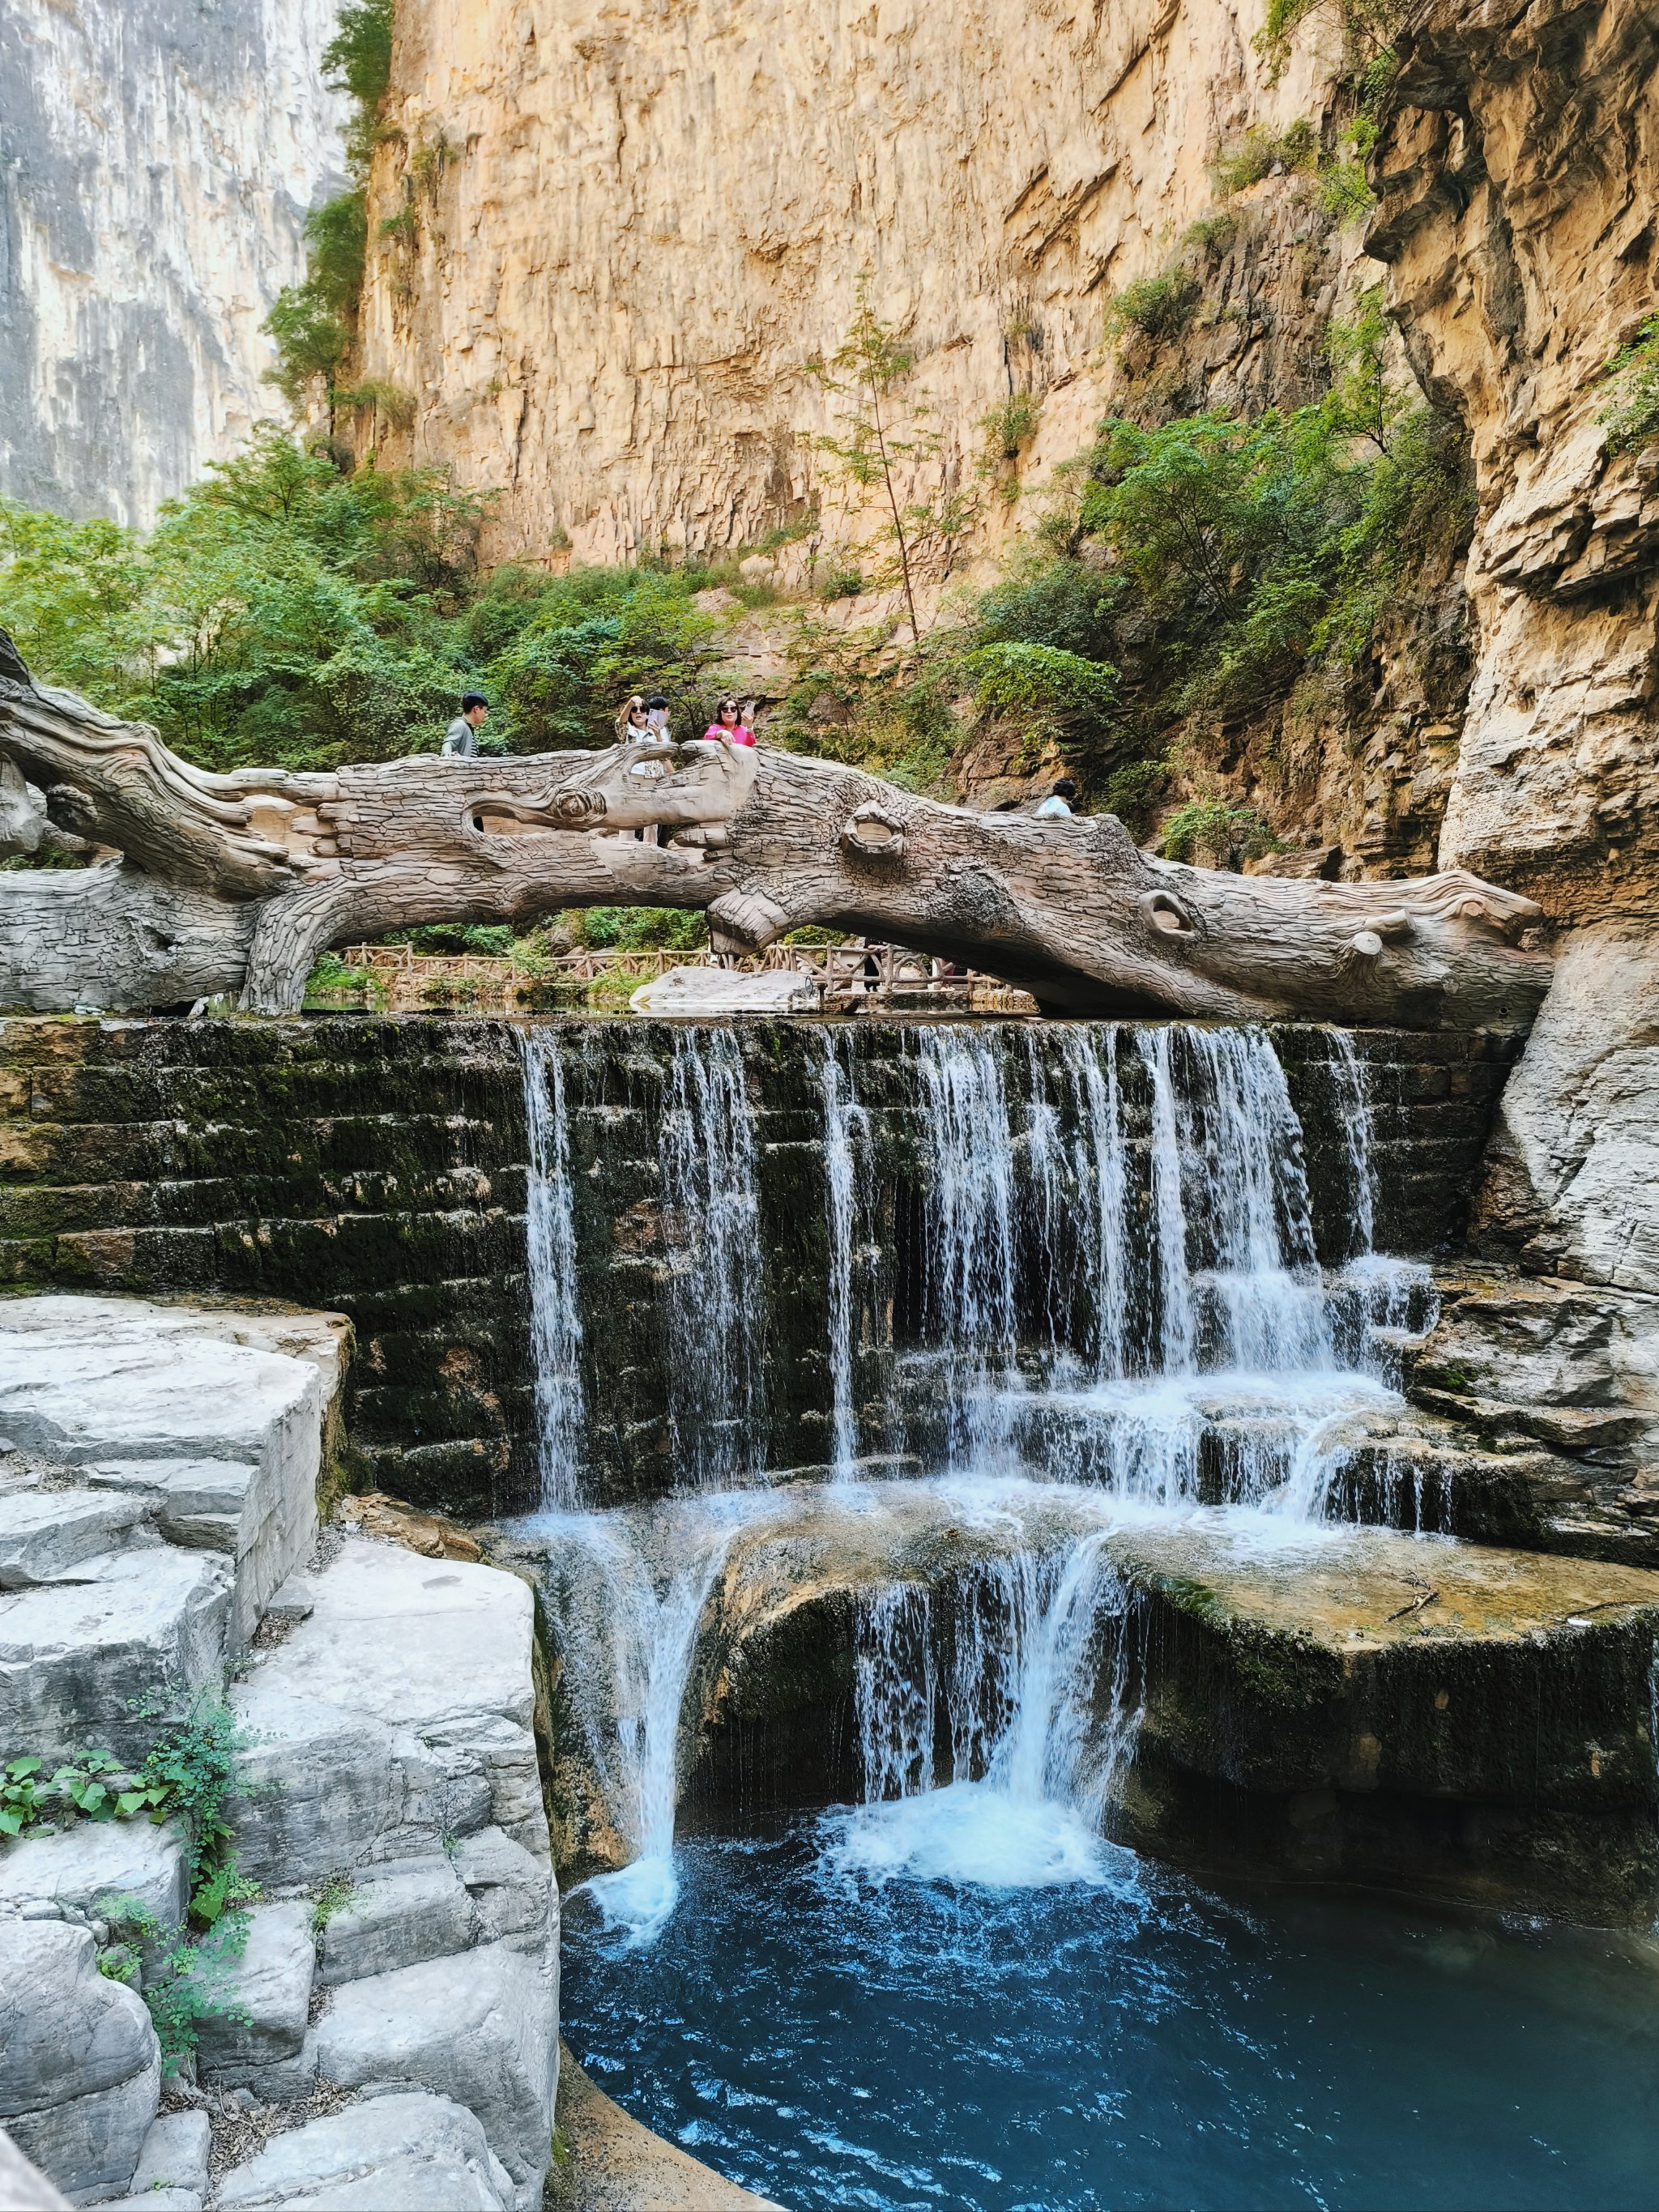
<point>851,978</point>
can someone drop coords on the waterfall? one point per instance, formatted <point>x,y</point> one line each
<point>1037,1639</point>
<point>628,1633</point>
<point>969,1257</point>
<point>846,1139</point>
<point>1247,1209</point>
<point>556,1323</point>
<point>717,1264</point>
<point>1352,1098</point>
<point>1178,1328</point>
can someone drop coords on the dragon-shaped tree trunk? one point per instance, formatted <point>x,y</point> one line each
<point>235,883</point>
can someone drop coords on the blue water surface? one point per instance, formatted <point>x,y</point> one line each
<point>831,2039</point>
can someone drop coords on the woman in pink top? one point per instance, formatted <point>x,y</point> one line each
<point>726,724</point>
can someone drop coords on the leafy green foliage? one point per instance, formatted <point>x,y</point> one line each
<point>188,1981</point>
<point>1007,426</point>
<point>1233,554</point>
<point>1260,151</point>
<point>1632,420</point>
<point>884,424</point>
<point>357,59</point>
<point>92,1786</point>
<point>189,1771</point>
<point>1159,307</point>
<point>1214,830</point>
<point>1041,684</point>
<point>294,609</point>
<point>636,928</point>
<point>312,322</point>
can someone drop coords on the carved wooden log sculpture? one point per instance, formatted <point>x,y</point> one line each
<point>237,882</point>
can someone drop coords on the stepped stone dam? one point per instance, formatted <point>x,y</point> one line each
<point>1044,1457</point>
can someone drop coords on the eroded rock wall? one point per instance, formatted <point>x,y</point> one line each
<point>158,160</point>
<point>624,232</point>
<point>1520,173</point>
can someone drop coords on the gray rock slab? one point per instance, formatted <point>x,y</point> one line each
<point>412,2152</point>
<point>146,1629</point>
<point>267,1993</point>
<point>113,1381</point>
<point>46,1535</point>
<point>512,1891</point>
<point>398,1917</point>
<point>481,2028</point>
<point>323,1788</point>
<point>97,1859</point>
<point>175,2153</point>
<point>79,2067</point>
<point>23,2187</point>
<point>435,1654</point>
<point>1574,1163</point>
<point>158,2200</point>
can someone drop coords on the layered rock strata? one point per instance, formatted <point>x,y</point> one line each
<point>401,1959</point>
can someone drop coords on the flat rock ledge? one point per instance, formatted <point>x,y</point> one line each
<point>397,1993</point>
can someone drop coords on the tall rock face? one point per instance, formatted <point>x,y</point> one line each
<point>620,235</point>
<point>157,160</point>
<point>609,239</point>
<point>1520,220</point>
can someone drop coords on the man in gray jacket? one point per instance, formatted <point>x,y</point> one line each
<point>461,738</point>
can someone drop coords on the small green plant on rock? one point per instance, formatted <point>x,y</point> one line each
<point>329,1898</point>
<point>189,1979</point>
<point>1218,832</point>
<point>1159,307</point>
<point>1632,421</point>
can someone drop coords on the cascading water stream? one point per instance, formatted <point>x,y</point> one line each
<point>1119,1287</point>
<point>551,1246</point>
<point>1039,1645</point>
<point>846,1140</point>
<point>628,1658</point>
<point>717,1267</point>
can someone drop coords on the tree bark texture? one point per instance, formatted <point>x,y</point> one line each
<point>238,881</point>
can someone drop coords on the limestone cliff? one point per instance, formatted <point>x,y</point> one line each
<point>1520,175</point>
<point>156,164</point>
<point>619,233</point>
<point>610,238</point>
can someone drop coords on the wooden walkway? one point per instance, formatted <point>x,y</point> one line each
<point>851,978</point>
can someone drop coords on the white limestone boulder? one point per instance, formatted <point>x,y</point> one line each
<point>717,992</point>
<point>48,1535</point>
<point>175,2154</point>
<point>264,1996</point>
<point>101,1662</point>
<point>412,2152</point>
<point>94,1861</point>
<point>80,2067</point>
<point>512,1892</point>
<point>115,1383</point>
<point>480,2027</point>
<point>395,1917</point>
<point>426,1666</point>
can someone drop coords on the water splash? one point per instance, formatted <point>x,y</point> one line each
<point>717,1264</point>
<point>551,1243</point>
<point>1039,1643</point>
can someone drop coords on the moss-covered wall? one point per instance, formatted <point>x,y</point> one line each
<point>376,1165</point>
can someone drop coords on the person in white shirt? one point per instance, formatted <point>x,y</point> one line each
<point>1058,800</point>
<point>461,738</point>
